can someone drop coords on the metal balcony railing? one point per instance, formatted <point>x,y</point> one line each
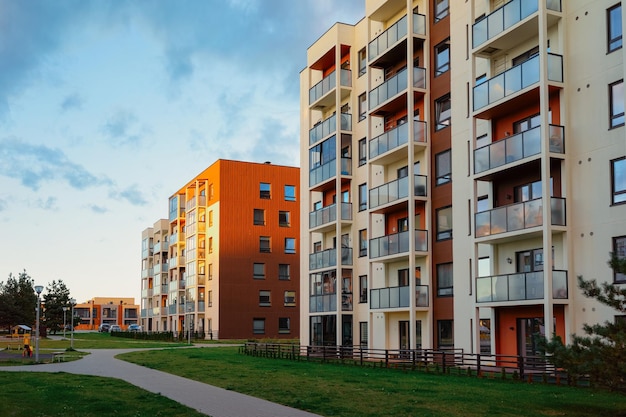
<point>398,297</point>
<point>520,286</point>
<point>397,243</point>
<point>396,137</point>
<point>396,190</point>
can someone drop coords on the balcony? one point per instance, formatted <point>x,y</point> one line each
<point>517,147</point>
<point>171,309</point>
<point>397,243</point>
<point>194,202</point>
<point>328,214</point>
<point>398,297</point>
<point>516,79</point>
<point>396,137</point>
<point>177,261</point>
<point>520,286</point>
<point>201,306</point>
<point>328,170</point>
<point>396,85</point>
<point>322,303</point>
<point>328,84</point>
<point>396,190</point>
<point>388,40</point>
<point>328,258</point>
<point>329,126</point>
<point>505,17</point>
<point>177,285</point>
<point>518,216</point>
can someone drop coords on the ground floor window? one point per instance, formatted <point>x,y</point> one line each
<point>445,334</point>
<point>323,330</point>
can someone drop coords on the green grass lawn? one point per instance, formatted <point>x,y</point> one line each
<point>96,340</point>
<point>29,394</point>
<point>342,390</point>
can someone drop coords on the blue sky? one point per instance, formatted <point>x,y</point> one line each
<point>108,107</point>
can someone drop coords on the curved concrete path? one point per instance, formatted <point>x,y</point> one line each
<point>205,398</point>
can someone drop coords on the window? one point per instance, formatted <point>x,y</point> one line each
<point>362,242</point>
<point>210,245</point>
<point>210,298</point>
<point>362,106</point>
<point>284,272</point>
<point>441,9</point>
<point>284,219</point>
<point>443,112</point>
<point>259,217</point>
<point>618,180</point>
<point>284,325</point>
<point>210,272</point>
<point>527,123</point>
<point>290,298</point>
<point>362,197</point>
<point>482,204</point>
<point>444,223</point>
<point>529,191</point>
<point>265,298</point>
<point>210,218</point>
<point>258,271</point>
<point>403,277</point>
<point>211,192</point>
<point>445,334</point>
<point>531,53</point>
<point>443,167</point>
<point>265,244</point>
<point>444,280</point>
<point>442,57</point>
<point>363,333</point>
<point>290,193</point>
<point>290,245</point>
<point>258,326</point>
<point>363,287</point>
<point>362,62</point>
<point>317,247</point>
<point>614,27</point>
<point>265,190</point>
<point>362,152</point>
<point>619,249</point>
<point>485,336</point>
<point>616,92</point>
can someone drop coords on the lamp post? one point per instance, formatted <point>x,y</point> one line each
<point>64,320</point>
<point>72,302</point>
<point>38,290</point>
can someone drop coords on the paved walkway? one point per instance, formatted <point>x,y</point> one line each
<point>205,398</point>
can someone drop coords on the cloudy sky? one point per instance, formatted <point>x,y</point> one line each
<point>108,107</point>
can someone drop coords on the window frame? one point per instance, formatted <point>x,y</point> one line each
<point>443,12</point>
<point>445,271</point>
<point>258,270</point>
<point>616,119</point>
<point>619,278</point>
<point>256,329</point>
<point>265,248</point>
<point>440,109</point>
<point>440,324</point>
<point>290,245</point>
<point>363,197</point>
<point>615,193</point>
<point>281,275</point>
<point>362,56</point>
<point>613,41</point>
<point>363,243</point>
<point>362,106</point>
<point>284,218</point>
<point>265,190</point>
<point>265,298</point>
<point>442,178</point>
<point>362,151</point>
<point>444,66</point>
<point>258,217</point>
<point>443,234</point>
<point>363,289</point>
<point>289,299</point>
<point>288,194</point>
<point>282,329</point>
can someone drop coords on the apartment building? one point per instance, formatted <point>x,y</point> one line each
<point>514,104</point>
<point>225,261</point>
<point>112,310</point>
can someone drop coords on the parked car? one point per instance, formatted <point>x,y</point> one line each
<point>134,328</point>
<point>104,327</point>
<point>115,328</point>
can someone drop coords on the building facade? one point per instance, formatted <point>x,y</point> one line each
<point>224,263</point>
<point>514,104</point>
<point>111,310</point>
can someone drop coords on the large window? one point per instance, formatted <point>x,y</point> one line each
<point>362,242</point>
<point>259,271</point>
<point>265,244</point>
<point>290,193</point>
<point>618,180</point>
<point>445,334</point>
<point>258,326</point>
<point>443,112</point>
<point>442,57</point>
<point>284,219</point>
<point>284,272</point>
<point>619,249</point>
<point>362,62</point>
<point>362,197</point>
<point>444,223</point>
<point>441,9</point>
<point>443,167</point>
<point>444,280</point>
<point>265,190</point>
<point>614,27</point>
<point>616,93</point>
<point>290,245</point>
<point>259,217</point>
<point>362,106</point>
<point>323,153</point>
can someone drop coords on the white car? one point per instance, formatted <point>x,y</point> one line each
<point>115,328</point>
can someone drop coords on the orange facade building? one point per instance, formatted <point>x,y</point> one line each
<point>111,310</point>
<point>225,262</point>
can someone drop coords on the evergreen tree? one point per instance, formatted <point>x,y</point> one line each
<point>56,296</point>
<point>601,352</point>
<point>17,301</point>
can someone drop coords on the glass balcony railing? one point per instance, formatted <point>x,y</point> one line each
<point>322,303</point>
<point>398,297</point>
<point>328,170</point>
<point>171,309</point>
<point>518,216</point>
<point>396,190</point>
<point>396,137</point>
<point>397,243</point>
<point>395,85</point>
<point>328,83</point>
<point>328,258</point>
<point>394,33</point>
<point>520,286</point>
<point>516,147</point>
<point>516,79</point>
<point>329,126</point>
<point>505,17</point>
<point>329,214</point>
<point>177,285</point>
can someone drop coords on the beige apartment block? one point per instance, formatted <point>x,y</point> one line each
<point>516,138</point>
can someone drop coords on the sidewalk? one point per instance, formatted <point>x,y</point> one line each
<point>207,399</point>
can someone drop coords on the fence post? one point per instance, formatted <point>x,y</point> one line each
<point>443,364</point>
<point>386,358</point>
<point>478,365</point>
<point>520,365</point>
<point>361,354</point>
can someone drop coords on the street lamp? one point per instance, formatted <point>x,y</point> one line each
<point>38,290</point>
<point>72,302</point>
<point>64,321</point>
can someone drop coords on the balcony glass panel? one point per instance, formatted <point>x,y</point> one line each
<point>559,285</point>
<point>323,172</point>
<point>346,211</point>
<point>421,296</point>
<point>388,89</point>
<point>328,126</point>
<point>322,303</point>
<point>516,79</point>
<point>398,297</point>
<point>518,216</point>
<point>321,88</point>
<point>389,37</point>
<point>519,286</point>
<point>322,216</point>
<point>346,166</point>
<point>421,240</point>
<point>389,192</point>
<point>397,243</point>
<point>419,24</point>
<point>419,185</point>
<point>396,137</point>
<point>501,19</point>
<point>345,78</point>
<point>324,259</point>
<point>557,211</point>
<point>419,77</point>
